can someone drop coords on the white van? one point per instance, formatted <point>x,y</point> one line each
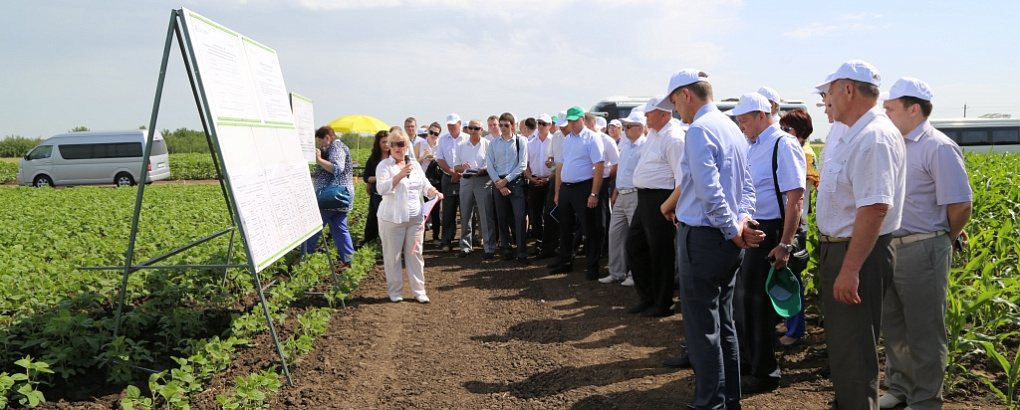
<point>94,158</point>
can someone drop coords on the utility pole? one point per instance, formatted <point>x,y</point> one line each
<point>965,111</point>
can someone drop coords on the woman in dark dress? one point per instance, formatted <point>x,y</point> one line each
<point>380,151</point>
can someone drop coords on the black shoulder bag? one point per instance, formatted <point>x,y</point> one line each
<point>799,257</point>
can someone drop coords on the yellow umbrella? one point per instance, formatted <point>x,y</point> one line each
<point>360,124</point>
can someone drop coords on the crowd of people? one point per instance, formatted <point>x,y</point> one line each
<point>679,195</point>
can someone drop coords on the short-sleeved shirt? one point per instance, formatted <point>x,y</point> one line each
<point>447,148</point>
<point>812,164</point>
<point>791,170</point>
<point>339,156</point>
<point>557,146</point>
<point>659,167</point>
<point>938,177</point>
<point>610,152</point>
<point>866,166</point>
<point>472,154</point>
<point>717,188</point>
<point>630,153</point>
<point>579,156</point>
<point>538,152</point>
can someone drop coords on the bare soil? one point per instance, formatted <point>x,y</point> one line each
<point>500,335</point>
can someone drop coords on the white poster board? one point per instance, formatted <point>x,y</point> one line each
<point>304,121</point>
<point>256,135</point>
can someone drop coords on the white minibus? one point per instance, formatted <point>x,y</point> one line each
<point>981,135</point>
<point>94,158</point>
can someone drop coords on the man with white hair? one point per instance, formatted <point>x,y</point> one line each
<point>447,158</point>
<point>937,206</point>
<point>773,97</point>
<point>624,199</point>
<point>859,206</point>
<point>651,255</point>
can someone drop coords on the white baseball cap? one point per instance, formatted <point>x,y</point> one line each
<point>600,122</point>
<point>856,70</point>
<point>615,123</point>
<point>769,94</point>
<point>908,87</point>
<point>751,102</point>
<point>452,118</point>
<point>544,118</point>
<point>636,117</point>
<point>423,131</point>
<point>684,77</point>
<point>659,102</point>
<point>561,119</point>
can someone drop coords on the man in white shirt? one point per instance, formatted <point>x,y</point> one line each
<point>859,204</point>
<point>615,130</point>
<point>475,188</point>
<point>937,206</point>
<point>651,253</point>
<point>624,199</point>
<point>447,158</point>
<point>551,239</point>
<point>538,173</point>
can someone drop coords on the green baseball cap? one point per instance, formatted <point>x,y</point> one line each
<point>784,290</point>
<point>575,112</point>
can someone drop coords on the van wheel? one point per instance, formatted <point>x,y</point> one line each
<point>42,180</point>
<point>124,179</point>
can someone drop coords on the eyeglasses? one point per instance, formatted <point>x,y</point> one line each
<point>473,128</point>
<point>629,126</point>
<point>436,133</point>
<point>542,124</point>
<point>823,95</point>
<point>398,144</point>
<point>501,125</point>
<point>786,129</point>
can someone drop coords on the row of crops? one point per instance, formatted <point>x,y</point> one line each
<point>180,327</point>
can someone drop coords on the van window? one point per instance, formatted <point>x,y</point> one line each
<point>41,152</point>
<point>1006,136</point>
<point>109,150</point>
<point>974,137</point>
<point>158,147</point>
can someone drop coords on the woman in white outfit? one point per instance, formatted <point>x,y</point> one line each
<point>401,182</point>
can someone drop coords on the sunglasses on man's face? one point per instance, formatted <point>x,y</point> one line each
<point>629,126</point>
<point>397,144</point>
<point>473,128</point>
<point>502,125</point>
<point>542,124</point>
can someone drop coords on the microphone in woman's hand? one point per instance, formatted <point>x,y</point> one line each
<point>407,159</point>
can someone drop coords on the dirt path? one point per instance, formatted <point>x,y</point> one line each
<point>499,335</point>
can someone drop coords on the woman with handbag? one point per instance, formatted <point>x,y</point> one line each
<point>402,184</point>
<point>425,150</point>
<point>380,151</point>
<point>333,168</point>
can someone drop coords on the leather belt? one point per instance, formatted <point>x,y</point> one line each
<point>571,184</point>
<point>904,240</point>
<point>831,239</point>
<point>627,190</point>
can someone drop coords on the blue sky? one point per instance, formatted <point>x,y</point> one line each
<point>95,63</point>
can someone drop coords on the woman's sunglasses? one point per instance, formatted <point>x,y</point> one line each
<point>397,144</point>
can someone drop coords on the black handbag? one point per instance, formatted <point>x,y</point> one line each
<point>433,173</point>
<point>333,197</point>
<point>799,257</point>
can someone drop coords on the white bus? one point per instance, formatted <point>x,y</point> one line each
<point>94,158</point>
<point>998,135</point>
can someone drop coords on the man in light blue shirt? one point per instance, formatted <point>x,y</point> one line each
<point>714,206</point>
<point>578,181</point>
<point>505,162</point>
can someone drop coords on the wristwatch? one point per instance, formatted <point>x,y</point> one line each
<point>594,195</point>
<point>789,248</point>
